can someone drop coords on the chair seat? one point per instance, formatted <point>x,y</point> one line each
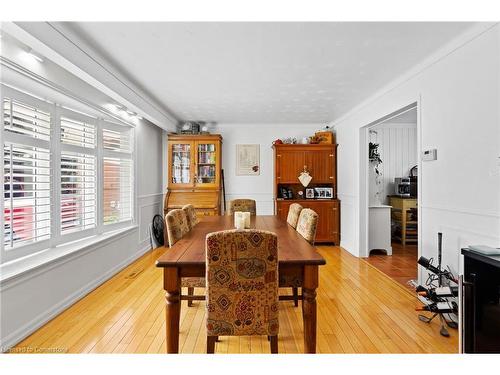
<point>193,282</point>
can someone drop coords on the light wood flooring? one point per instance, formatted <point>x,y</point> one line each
<point>401,266</point>
<point>360,310</point>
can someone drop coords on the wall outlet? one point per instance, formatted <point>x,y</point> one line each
<point>429,155</point>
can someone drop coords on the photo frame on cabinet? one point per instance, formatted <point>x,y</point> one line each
<point>310,193</point>
<point>323,193</point>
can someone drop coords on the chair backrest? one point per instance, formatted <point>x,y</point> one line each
<point>190,212</point>
<point>307,224</point>
<point>176,226</point>
<point>293,214</point>
<point>242,283</point>
<point>244,205</point>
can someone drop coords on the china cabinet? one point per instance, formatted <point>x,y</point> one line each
<point>194,173</point>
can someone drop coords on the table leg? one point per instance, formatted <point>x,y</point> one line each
<point>171,284</point>
<point>403,226</point>
<point>309,312</point>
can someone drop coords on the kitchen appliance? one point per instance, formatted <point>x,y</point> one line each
<point>413,181</point>
<point>405,186</point>
<point>402,186</point>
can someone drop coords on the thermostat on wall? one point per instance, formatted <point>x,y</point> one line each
<point>429,155</point>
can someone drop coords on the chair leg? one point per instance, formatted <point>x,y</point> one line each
<point>295,291</point>
<point>211,344</point>
<point>274,344</point>
<point>190,293</point>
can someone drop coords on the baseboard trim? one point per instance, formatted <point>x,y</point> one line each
<point>26,330</point>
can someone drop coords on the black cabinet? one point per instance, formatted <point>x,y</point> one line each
<point>481,303</point>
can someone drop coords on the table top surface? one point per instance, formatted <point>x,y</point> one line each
<point>190,250</point>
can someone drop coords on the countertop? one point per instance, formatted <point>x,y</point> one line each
<point>493,260</point>
<point>400,196</point>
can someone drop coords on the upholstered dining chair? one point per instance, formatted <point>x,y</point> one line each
<point>306,226</point>
<point>244,205</point>
<point>293,214</point>
<point>190,212</point>
<point>242,285</point>
<point>177,227</point>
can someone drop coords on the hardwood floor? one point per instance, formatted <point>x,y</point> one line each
<point>401,266</point>
<point>360,310</point>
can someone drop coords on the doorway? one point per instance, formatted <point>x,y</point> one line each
<point>391,182</point>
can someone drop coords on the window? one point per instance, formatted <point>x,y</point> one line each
<point>67,175</point>
<point>26,160</point>
<point>118,183</point>
<point>78,173</point>
<point>27,194</point>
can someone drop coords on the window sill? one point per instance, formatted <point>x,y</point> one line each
<point>18,267</point>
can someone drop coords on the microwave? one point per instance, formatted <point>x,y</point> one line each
<point>405,186</point>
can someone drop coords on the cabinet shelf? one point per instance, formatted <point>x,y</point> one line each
<point>321,162</point>
<point>194,172</point>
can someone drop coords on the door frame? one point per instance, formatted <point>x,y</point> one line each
<point>364,171</point>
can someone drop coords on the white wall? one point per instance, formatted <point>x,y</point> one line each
<point>259,187</point>
<point>398,151</point>
<point>458,98</point>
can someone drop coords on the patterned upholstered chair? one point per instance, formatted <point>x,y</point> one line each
<point>242,285</point>
<point>307,224</point>
<point>177,227</point>
<point>244,205</point>
<point>293,214</point>
<point>190,212</point>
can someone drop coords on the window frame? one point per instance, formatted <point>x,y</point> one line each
<point>56,148</point>
<point>112,125</point>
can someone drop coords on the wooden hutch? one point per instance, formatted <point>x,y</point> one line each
<point>320,160</point>
<point>194,173</point>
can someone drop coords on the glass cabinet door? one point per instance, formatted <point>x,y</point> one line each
<point>180,155</point>
<point>206,166</point>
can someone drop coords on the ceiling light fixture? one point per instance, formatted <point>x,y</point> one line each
<point>35,55</point>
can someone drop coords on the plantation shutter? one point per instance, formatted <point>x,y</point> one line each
<point>117,174</point>
<point>27,170</point>
<point>78,172</point>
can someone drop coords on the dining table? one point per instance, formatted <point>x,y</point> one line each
<point>298,266</point>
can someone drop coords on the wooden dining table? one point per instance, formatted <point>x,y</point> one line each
<point>299,264</point>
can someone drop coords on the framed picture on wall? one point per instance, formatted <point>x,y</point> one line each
<point>247,160</point>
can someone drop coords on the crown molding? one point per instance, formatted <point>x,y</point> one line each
<point>58,43</point>
<point>467,36</point>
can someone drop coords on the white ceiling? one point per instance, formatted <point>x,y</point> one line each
<point>265,72</point>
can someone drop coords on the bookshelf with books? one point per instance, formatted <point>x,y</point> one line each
<point>194,172</point>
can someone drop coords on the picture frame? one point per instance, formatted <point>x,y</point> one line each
<point>310,193</point>
<point>248,160</point>
<point>323,193</point>
<point>329,193</point>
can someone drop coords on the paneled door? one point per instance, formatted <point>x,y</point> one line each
<point>289,164</point>
<point>207,173</point>
<point>320,164</point>
<point>181,162</point>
